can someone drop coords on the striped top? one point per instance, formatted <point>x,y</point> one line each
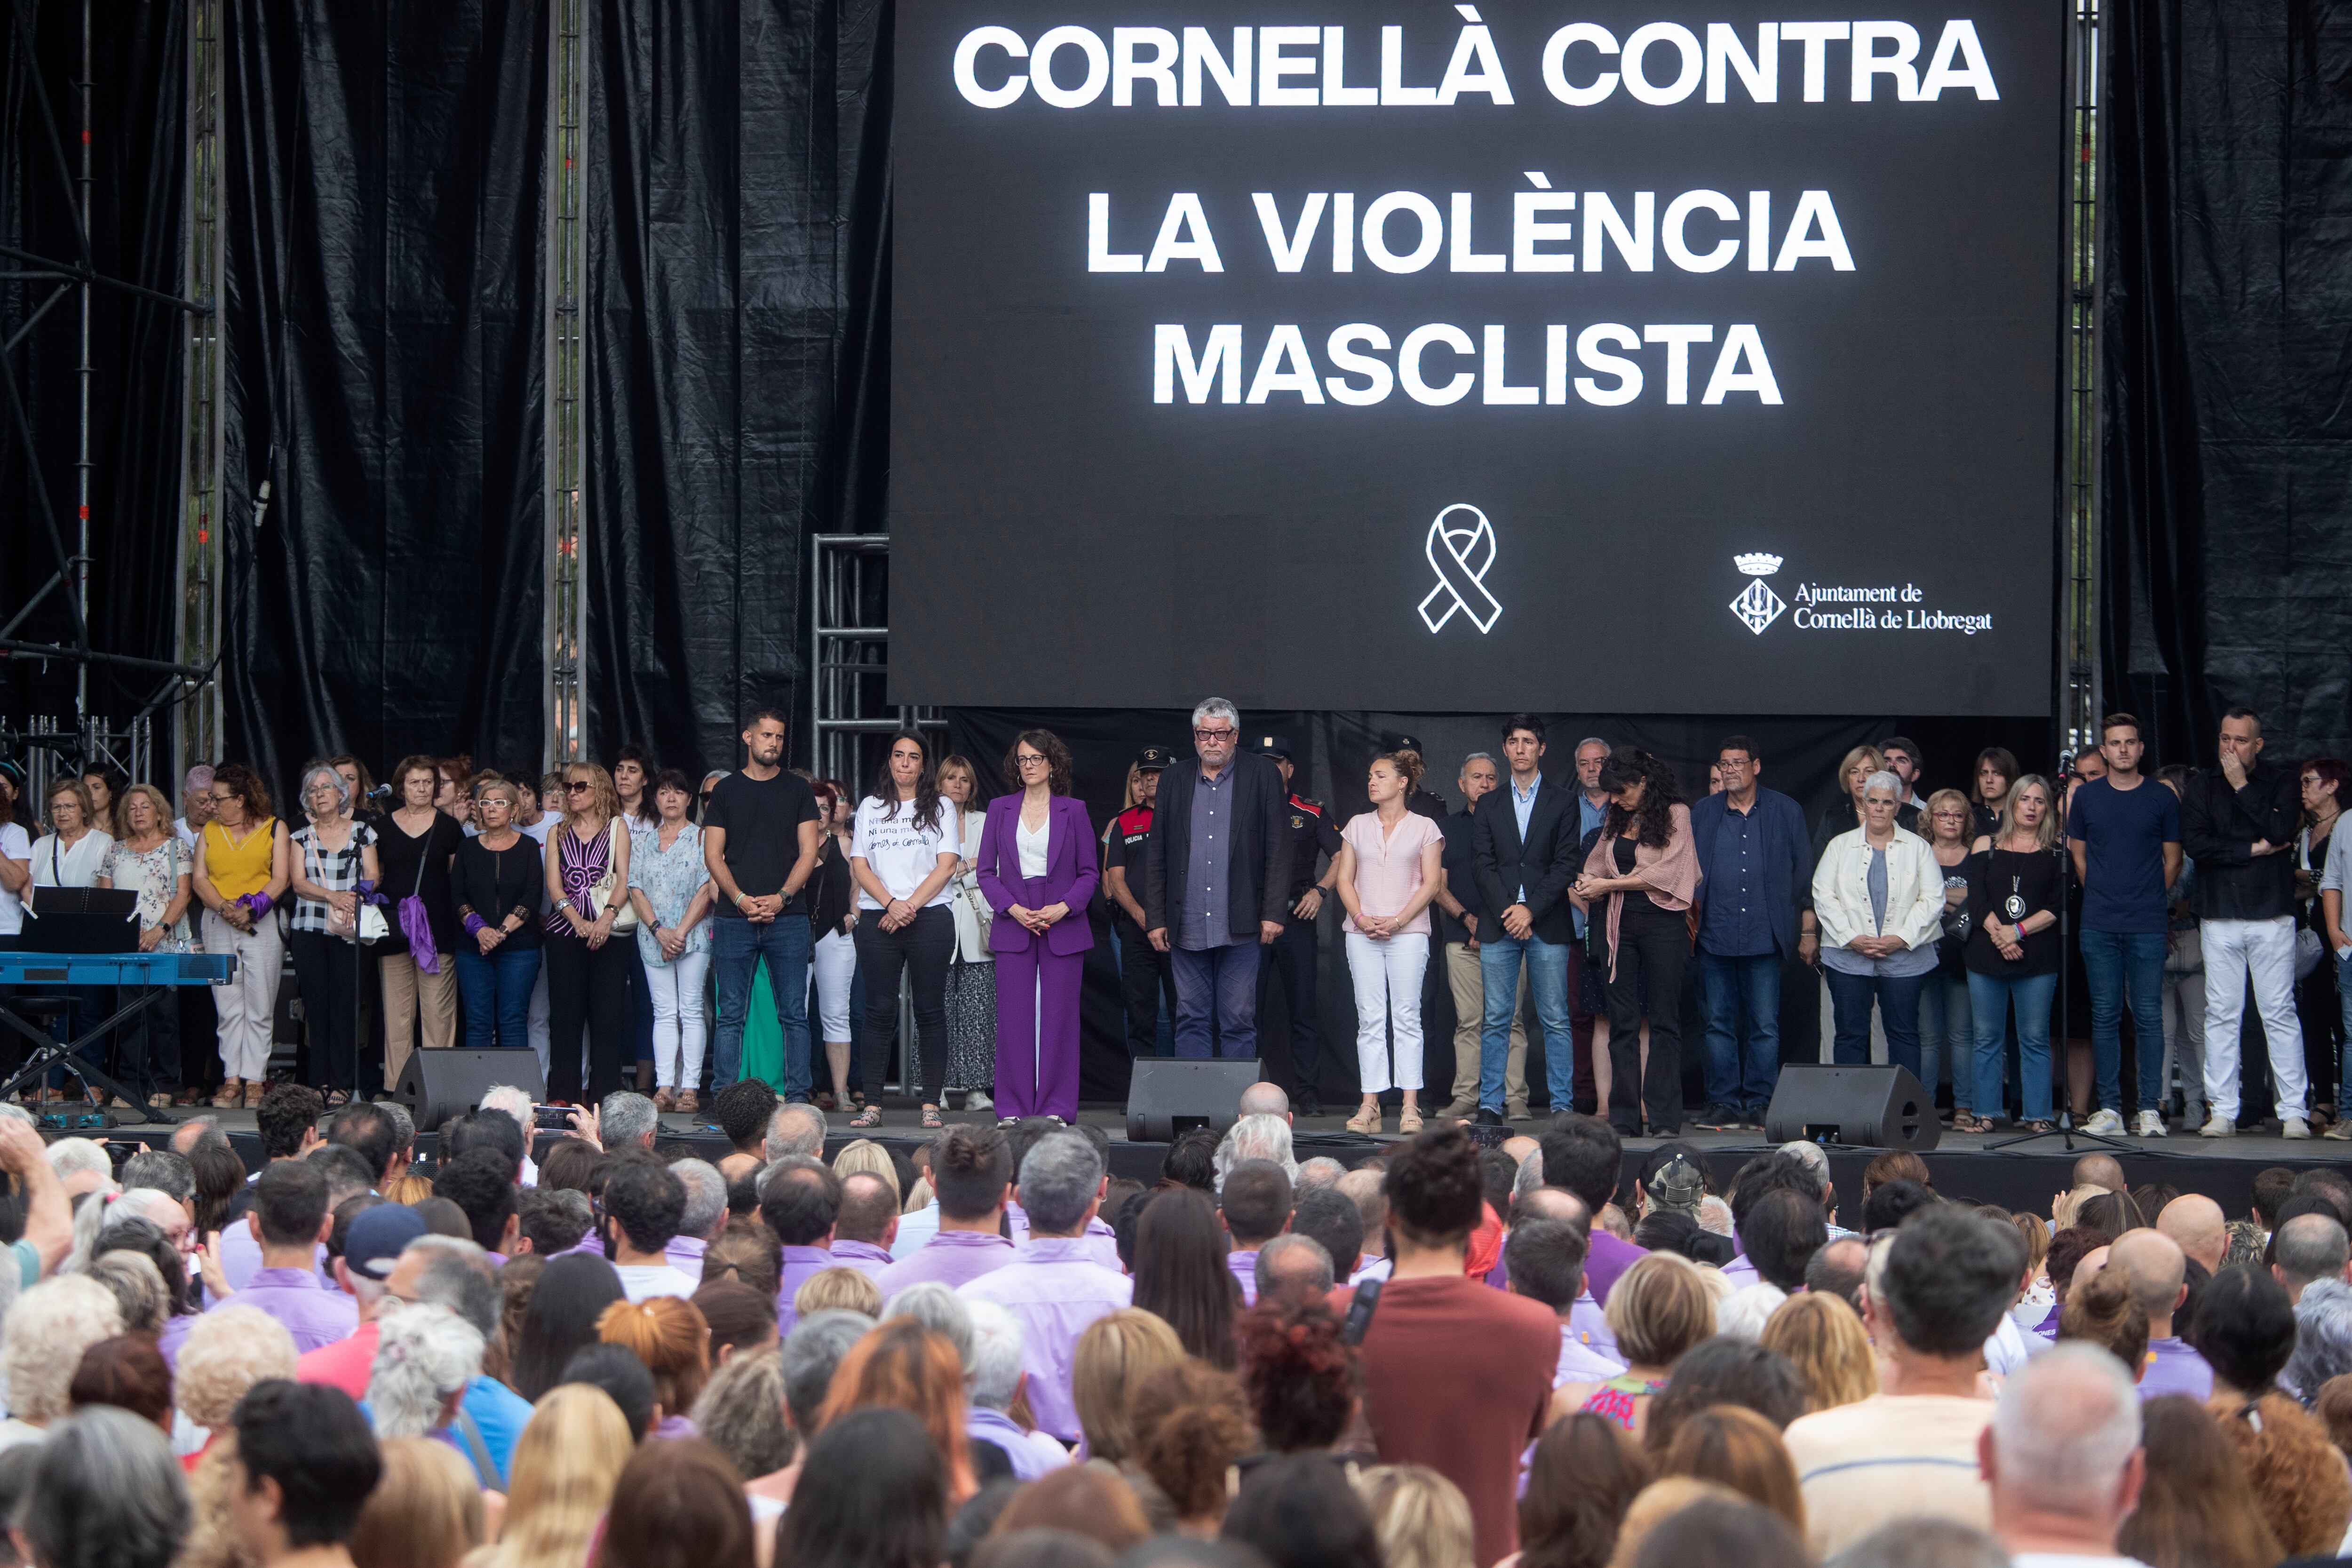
<point>579,868</point>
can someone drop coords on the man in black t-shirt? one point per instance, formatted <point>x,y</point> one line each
<point>760,837</point>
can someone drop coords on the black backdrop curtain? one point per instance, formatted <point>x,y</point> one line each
<point>2226,560</point>
<point>738,241</point>
<point>382,168</point>
<point>139,56</point>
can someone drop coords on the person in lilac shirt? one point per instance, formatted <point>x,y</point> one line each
<point>868,1219</point>
<point>995,1381</point>
<point>704,1216</point>
<point>1582,1154</point>
<point>1548,1265</point>
<point>1256,1204</point>
<point>290,1219</point>
<point>800,1198</point>
<point>1054,1289</point>
<point>972,1174</point>
<point>2154,1263</point>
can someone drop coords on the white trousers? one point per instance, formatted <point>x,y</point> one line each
<point>248,1005</point>
<point>2263,950</point>
<point>834,968</point>
<point>1388,992</point>
<point>536,1025</point>
<point>679,1032</point>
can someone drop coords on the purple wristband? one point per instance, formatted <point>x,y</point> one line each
<point>474,923</point>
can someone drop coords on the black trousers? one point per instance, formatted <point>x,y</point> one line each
<point>922,947</point>
<point>327,968</point>
<point>1652,946</point>
<point>1145,977</point>
<point>1289,962</point>
<point>590,990</point>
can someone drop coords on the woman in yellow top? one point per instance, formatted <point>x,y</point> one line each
<point>244,865</point>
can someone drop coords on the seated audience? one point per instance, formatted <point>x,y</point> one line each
<point>670,1336</point>
<point>2196,1509</point>
<point>1823,1339</point>
<point>1583,1475</point>
<point>1420,1518</point>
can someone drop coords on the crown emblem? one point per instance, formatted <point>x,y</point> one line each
<point>1757,564</point>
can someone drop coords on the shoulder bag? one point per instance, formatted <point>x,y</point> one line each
<point>414,924</point>
<point>624,918</point>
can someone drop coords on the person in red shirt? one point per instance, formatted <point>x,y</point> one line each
<point>1472,1423</point>
<point>370,1253</point>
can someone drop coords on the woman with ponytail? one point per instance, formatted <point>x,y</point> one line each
<point>1390,867</point>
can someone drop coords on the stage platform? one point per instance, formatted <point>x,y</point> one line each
<point>2026,1176</point>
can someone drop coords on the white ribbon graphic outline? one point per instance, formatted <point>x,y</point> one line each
<point>1449,551</point>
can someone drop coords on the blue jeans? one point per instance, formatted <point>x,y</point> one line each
<point>1897,996</point>
<point>497,992</point>
<point>2126,966</point>
<point>1742,1079</point>
<point>1499,956</point>
<point>1989,1000</point>
<point>1216,984</point>
<point>736,947</point>
<point>1948,1039</point>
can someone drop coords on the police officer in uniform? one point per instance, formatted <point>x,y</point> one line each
<point>1144,972</point>
<point>1429,804</point>
<point>1308,831</point>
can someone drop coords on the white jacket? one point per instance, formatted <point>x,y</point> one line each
<point>1915,890</point>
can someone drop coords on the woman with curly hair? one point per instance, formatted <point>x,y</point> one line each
<point>1036,867</point>
<point>1643,870</point>
<point>1300,1373</point>
<point>591,977</point>
<point>1191,1424</point>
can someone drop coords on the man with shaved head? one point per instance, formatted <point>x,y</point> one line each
<point>2158,1272</point>
<point>2197,1227</point>
<point>2099,1170</point>
<point>2063,1457</point>
<point>1262,1099</point>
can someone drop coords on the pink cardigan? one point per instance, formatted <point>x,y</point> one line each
<point>1672,872</point>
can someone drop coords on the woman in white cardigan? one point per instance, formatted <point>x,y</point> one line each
<point>1878,895</point>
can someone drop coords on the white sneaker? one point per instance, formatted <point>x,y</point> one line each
<point>978,1100</point>
<point>2151,1125</point>
<point>2295,1127</point>
<point>2219,1127</point>
<point>2104,1123</point>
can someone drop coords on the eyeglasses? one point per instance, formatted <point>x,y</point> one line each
<point>1202,734</point>
<point>2310,779</point>
<point>1025,762</point>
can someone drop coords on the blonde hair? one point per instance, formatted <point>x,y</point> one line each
<point>1935,801</point>
<point>1408,765</point>
<point>1870,757</point>
<point>1421,1518</point>
<point>1116,1354</point>
<point>48,1329</point>
<point>602,798</point>
<point>2045,832</point>
<point>411,1189</point>
<point>1660,1307</point>
<point>863,1156</point>
<point>425,1511</point>
<point>849,1289</point>
<point>155,801</point>
<point>1660,1501</point>
<point>228,1351</point>
<point>1823,1339</point>
<point>566,1462</point>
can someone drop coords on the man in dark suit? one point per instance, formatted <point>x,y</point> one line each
<point>1215,882</point>
<point>1755,864</point>
<point>1525,848</point>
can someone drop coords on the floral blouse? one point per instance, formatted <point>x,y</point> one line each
<point>155,875</point>
<point>669,880</point>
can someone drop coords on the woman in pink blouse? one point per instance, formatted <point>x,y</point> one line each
<point>1638,886</point>
<point>1388,872</point>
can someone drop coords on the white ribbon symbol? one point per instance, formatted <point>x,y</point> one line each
<point>1460,557</point>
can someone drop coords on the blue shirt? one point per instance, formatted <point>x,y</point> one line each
<point>1522,808</point>
<point>1588,818</point>
<point>2123,832</point>
<point>1208,858</point>
<point>500,1415</point>
<point>1731,923</point>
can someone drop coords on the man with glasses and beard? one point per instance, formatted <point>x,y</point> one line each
<point>1214,880</point>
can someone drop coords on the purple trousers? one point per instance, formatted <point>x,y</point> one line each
<point>1037,1033</point>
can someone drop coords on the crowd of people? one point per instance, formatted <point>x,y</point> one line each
<point>617,920</point>
<point>987,1351</point>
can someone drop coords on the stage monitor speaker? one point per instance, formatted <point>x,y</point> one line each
<point>1866,1107</point>
<point>1168,1094</point>
<point>437,1085</point>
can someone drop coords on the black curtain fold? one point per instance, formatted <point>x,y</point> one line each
<point>383,170</point>
<point>737,235</point>
<point>2225,574</point>
<point>139,71</point>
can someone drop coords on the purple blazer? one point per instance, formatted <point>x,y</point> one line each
<point>1070,876</point>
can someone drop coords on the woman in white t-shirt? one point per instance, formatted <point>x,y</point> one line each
<point>903,848</point>
<point>71,854</point>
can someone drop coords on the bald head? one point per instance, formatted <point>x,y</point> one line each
<point>2061,1453</point>
<point>1553,1202</point>
<point>2091,1262</point>
<point>2099,1170</point>
<point>2157,1268</point>
<point>1265,1100</point>
<point>1518,1148</point>
<point>2197,1226</point>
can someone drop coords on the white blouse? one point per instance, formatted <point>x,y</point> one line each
<point>901,851</point>
<point>76,868</point>
<point>1033,845</point>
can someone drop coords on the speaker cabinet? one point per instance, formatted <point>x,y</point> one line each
<point>437,1085</point>
<point>1865,1107</point>
<point>1169,1094</point>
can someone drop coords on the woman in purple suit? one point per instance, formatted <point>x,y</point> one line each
<point>1038,869</point>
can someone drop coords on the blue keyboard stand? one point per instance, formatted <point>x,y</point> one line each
<point>150,972</point>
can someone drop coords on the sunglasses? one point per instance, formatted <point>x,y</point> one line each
<point>577,786</point>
